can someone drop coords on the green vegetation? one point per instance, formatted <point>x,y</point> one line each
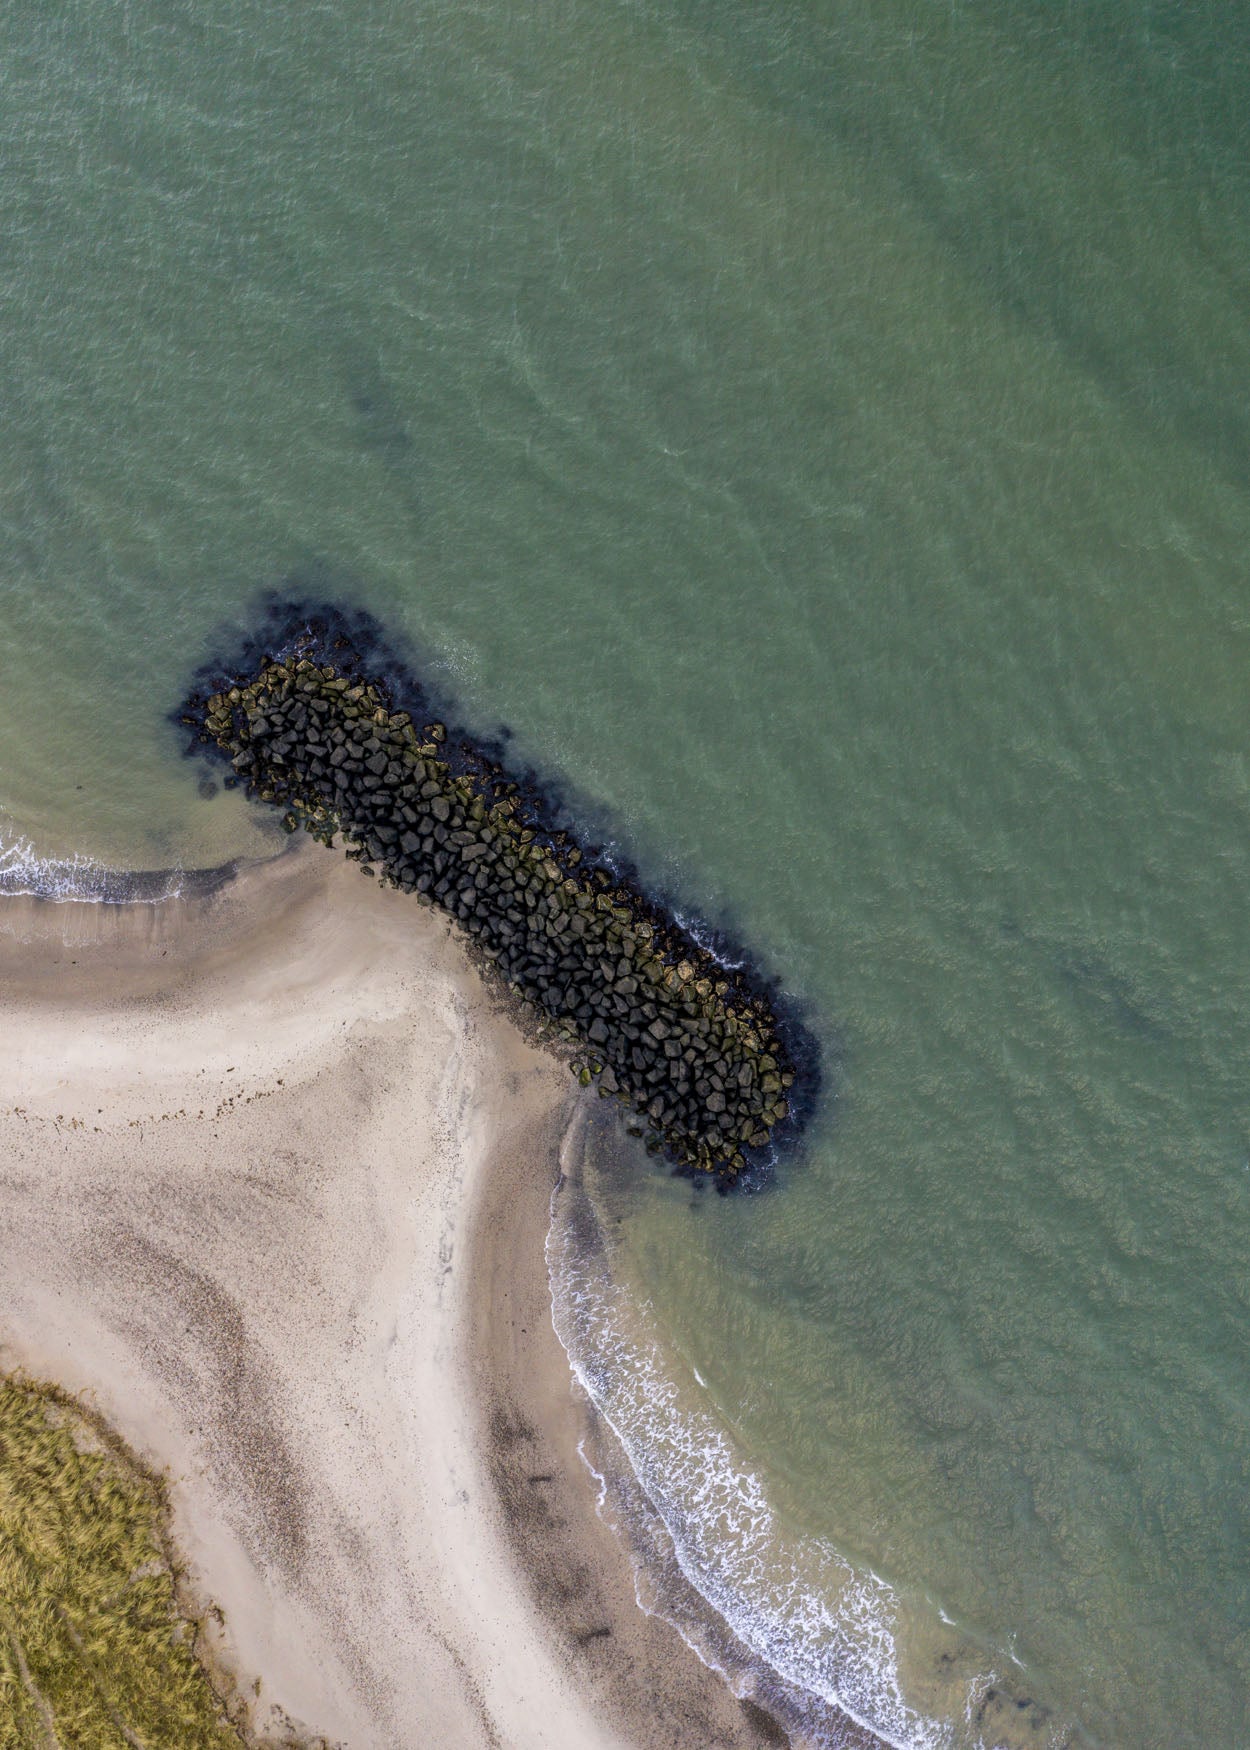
<point>94,1651</point>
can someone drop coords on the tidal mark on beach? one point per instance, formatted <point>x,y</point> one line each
<point>220,1367</point>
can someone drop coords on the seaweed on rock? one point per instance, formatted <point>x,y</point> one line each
<point>695,1049</point>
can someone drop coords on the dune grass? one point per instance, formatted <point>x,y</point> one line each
<point>94,1650</point>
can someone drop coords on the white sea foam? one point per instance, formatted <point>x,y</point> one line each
<point>24,872</point>
<point>825,1630</point>
<point>701,935</point>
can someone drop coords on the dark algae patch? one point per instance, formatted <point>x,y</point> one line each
<point>698,1052</point>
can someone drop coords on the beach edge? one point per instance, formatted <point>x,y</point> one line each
<point>504,1371</point>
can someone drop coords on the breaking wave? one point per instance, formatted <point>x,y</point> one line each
<point>23,872</point>
<point>825,1633</point>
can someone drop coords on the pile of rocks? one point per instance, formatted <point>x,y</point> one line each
<point>645,1012</point>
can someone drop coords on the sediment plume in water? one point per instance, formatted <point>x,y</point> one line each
<point>694,1049</point>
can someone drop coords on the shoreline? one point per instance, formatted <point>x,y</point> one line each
<point>278,1180</point>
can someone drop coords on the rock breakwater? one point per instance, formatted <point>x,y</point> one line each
<point>641,1010</point>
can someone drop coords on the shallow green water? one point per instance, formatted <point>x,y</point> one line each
<point>820,433</point>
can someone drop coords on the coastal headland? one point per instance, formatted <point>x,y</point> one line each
<point>277,1167</point>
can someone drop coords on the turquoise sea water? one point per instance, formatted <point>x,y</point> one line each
<point>820,432</point>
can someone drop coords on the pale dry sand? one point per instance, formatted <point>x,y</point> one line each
<point>274,1176</point>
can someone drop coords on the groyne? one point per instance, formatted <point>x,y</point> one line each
<point>641,1010</point>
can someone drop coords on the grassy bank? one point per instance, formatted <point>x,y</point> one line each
<point>95,1651</point>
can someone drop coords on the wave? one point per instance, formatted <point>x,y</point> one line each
<point>819,1637</point>
<point>83,879</point>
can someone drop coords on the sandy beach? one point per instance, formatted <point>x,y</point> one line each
<point>275,1180</point>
